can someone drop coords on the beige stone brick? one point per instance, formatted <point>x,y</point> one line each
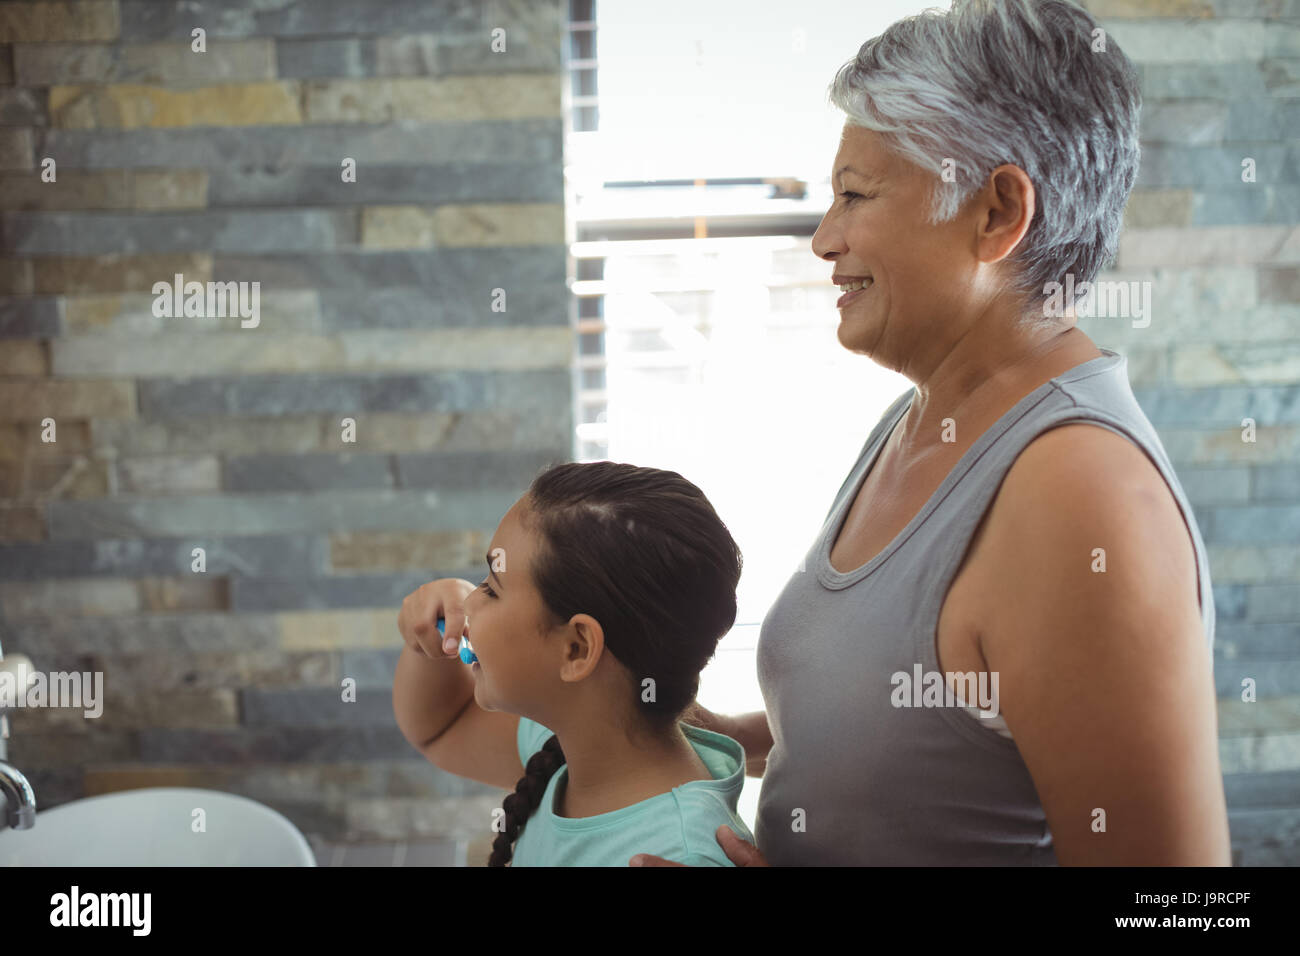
<point>1268,363</point>
<point>400,550</point>
<point>195,354</point>
<point>1207,246</point>
<point>170,64</point>
<point>77,189</point>
<point>1279,715</point>
<point>1272,444</point>
<point>200,592</point>
<point>78,596</point>
<point>499,224</point>
<point>134,106</point>
<point>21,440</point>
<point>130,706</point>
<point>338,630</point>
<point>16,277</point>
<point>22,522</point>
<point>34,401</point>
<point>286,435</point>
<point>102,780</point>
<point>458,348</point>
<point>81,21</point>
<point>15,148</point>
<point>456,225</point>
<point>27,358</point>
<point>397,227</point>
<point>1149,208</point>
<point>115,273</point>
<point>429,99</point>
<point>1118,9</point>
<point>39,479</point>
<point>282,310</point>
<point>172,474</point>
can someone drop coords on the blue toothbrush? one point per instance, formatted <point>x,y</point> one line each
<point>466,655</point>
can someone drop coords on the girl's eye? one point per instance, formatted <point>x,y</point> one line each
<point>488,588</point>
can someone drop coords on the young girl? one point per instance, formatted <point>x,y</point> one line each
<point>608,588</point>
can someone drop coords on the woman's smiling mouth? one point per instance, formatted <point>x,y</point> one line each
<point>850,296</point>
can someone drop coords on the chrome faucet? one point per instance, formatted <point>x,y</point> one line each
<point>17,799</point>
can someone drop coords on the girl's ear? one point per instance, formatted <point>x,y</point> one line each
<point>584,644</point>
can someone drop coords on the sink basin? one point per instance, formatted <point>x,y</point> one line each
<point>152,827</point>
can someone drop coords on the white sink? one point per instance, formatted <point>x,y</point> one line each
<point>152,827</point>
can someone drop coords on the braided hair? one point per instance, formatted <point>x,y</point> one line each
<point>643,552</point>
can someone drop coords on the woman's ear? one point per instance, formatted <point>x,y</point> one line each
<point>1006,212</point>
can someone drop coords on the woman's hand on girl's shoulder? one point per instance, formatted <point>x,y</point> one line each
<point>738,852</point>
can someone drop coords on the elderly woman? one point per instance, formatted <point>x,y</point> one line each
<point>1013,515</point>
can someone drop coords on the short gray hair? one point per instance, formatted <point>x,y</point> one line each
<point>1009,81</point>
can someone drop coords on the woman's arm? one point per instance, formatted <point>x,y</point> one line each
<point>1105,680</point>
<point>750,730</point>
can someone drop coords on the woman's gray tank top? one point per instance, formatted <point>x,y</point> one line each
<point>853,780</point>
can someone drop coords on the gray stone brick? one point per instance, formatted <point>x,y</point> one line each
<point>276,513</point>
<point>1272,678</point>
<point>1183,121</point>
<point>529,304</point>
<point>269,745</point>
<point>341,56</point>
<point>1222,406</point>
<point>509,470</point>
<point>371,669</point>
<point>1215,485</point>
<point>1247,203</point>
<point>538,141</point>
<point>308,472</point>
<point>16,148</point>
<point>77,234</point>
<point>317,707</point>
<point>457,272</point>
<point>1254,641</point>
<point>1261,118</point>
<point>1253,524</point>
<point>35,316</point>
<point>150,20</point>
<point>139,557</point>
<point>157,64</point>
<point>1165,165</point>
<point>1276,482</point>
<point>315,185</point>
<point>182,633</point>
<point>1275,602</point>
<point>1262,790</point>
<point>1229,602</point>
<point>1207,80</point>
<point>316,593</point>
<point>352,395</point>
<point>23,107</point>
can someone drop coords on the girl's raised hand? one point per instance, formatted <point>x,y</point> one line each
<point>418,619</point>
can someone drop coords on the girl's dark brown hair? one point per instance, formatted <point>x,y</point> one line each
<point>643,552</point>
